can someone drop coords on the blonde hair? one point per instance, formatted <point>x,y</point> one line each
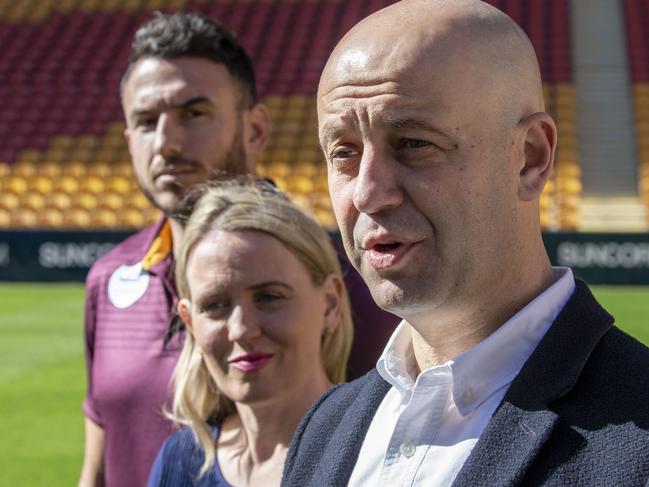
<point>236,204</point>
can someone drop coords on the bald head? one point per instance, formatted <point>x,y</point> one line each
<point>491,54</point>
<point>431,118</point>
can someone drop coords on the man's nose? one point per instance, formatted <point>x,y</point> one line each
<point>377,185</point>
<point>168,136</point>
<point>242,323</point>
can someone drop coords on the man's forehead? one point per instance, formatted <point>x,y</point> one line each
<point>156,80</point>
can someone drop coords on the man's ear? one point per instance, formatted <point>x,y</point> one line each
<point>185,312</point>
<point>255,133</point>
<point>334,296</point>
<point>538,134</point>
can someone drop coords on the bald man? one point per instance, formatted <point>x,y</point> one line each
<point>504,370</point>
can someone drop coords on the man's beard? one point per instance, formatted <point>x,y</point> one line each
<point>233,164</point>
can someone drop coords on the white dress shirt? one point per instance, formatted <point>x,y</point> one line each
<point>424,430</point>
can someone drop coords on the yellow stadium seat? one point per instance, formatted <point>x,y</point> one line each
<point>9,201</point>
<point>103,218</point>
<point>93,184</point>
<point>301,184</point>
<point>106,156</point>
<point>25,168</point>
<point>138,201</point>
<point>119,184</point>
<point>15,184</point>
<point>110,200</point>
<point>50,218</point>
<point>67,184</point>
<point>76,169</point>
<point>100,169</point>
<point>34,201</point>
<point>568,185</point>
<point>152,215</point>
<point>76,218</point>
<point>131,218</point>
<point>41,184</point>
<point>85,200</point>
<point>24,218</point>
<point>278,168</point>
<point>5,218</point>
<point>49,169</point>
<point>325,218</point>
<point>58,200</point>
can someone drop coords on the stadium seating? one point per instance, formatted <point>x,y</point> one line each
<point>636,17</point>
<point>63,159</point>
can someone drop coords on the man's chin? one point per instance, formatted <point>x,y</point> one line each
<point>173,206</point>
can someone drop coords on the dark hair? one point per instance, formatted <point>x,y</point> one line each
<point>193,34</point>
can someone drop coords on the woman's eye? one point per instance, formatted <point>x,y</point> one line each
<point>215,306</point>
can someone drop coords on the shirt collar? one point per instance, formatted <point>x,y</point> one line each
<point>160,247</point>
<point>489,365</point>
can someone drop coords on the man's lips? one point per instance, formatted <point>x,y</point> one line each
<point>385,251</point>
<point>249,362</point>
<point>172,174</point>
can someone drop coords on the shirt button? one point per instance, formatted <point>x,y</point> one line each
<point>407,449</point>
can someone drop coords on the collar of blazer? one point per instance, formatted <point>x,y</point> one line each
<point>523,421</point>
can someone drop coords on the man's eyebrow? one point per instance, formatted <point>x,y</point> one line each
<point>182,105</point>
<point>331,132</point>
<point>411,123</point>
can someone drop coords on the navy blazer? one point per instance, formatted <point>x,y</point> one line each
<point>577,414</point>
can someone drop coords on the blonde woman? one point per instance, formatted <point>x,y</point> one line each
<point>269,330</point>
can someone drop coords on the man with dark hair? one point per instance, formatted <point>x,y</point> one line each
<point>505,371</point>
<point>192,115</point>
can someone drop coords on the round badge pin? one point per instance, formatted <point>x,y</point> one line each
<point>127,284</point>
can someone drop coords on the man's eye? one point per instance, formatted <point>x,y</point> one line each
<point>146,123</point>
<point>190,114</point>
<point>413,144</point>
<point>268,297</point>
<point>343,153</point>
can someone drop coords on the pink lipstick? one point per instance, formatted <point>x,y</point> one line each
<point>250,362</point>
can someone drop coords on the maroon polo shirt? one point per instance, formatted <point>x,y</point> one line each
<point>129,368</point>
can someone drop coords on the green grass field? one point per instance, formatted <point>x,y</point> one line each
<point>42,378</point>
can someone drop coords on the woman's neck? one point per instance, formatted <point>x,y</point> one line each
<point>253,441</point>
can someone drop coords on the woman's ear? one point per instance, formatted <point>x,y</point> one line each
<point>185,312</point>
<point>334,295</point>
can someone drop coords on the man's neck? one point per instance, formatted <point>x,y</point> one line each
<point>448,331</point>
<point>177,230</point>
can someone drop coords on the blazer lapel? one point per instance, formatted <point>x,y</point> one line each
<point>524,421</point>
<point>340,455</point>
